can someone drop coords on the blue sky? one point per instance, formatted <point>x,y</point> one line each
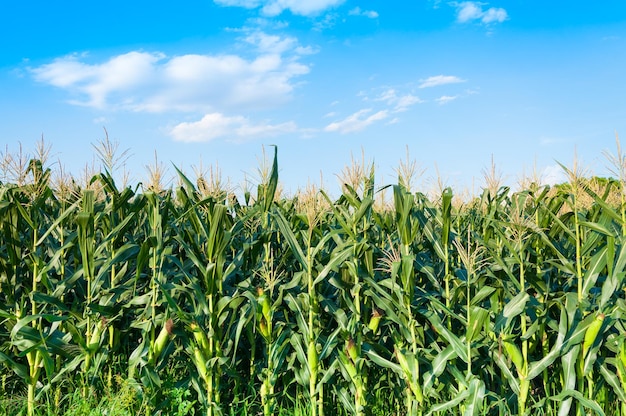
<point>206,82</point>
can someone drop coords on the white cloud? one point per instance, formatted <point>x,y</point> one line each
<point>276,7</point>
<point>357,11</point>
<point>217,125</point>
<point>154,82</point>
<point>274,44</point>
<point>445,99</point>
<point>472,10</point>
<point>123,72</point>
<point>494,15</point>
<point>248,4</point>
<point>440,80</point>
<point>357,121</point>
<point>398,102</point>
<point>468,11</point>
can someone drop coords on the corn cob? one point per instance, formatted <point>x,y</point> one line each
<point>200,363</point>
<point>162,339</point>
<point>375,320</point>
<point>94,341</point>
<point>352,350</point>
<point>592,332</point>
<point>201,339</point>
<point>312,357</point>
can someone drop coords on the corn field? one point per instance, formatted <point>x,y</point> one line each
<point>509,303</point>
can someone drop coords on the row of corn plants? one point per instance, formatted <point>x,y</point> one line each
<point>510,303</point>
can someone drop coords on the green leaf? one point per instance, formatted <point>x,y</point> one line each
<point>450,404</point>
<point>474,402</point>
<point>439,364</point>
<point>478,316</point>
<point>590,404</point>
<point>290,237</point>
<point>613,381</point>
<point>384,363</point>
<point>597,227</point>
<point>516,305</point>
<point>453,340</point>
<point>483,293</point>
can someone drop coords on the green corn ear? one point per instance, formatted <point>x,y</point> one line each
<point>264,313</point>
<point>622,352</point>
<point>312,357</point>
<point>200,363</point>
<point>352,350</point>
<point>264,329</point>
<point>94,341</point>
<point>514,354</point>
<point>403,362</point>
<point>266,307</point>
<point>162,339</point>
<point>348,364</point>
<point>351,368</point>
<point>375,320</point>
<point>264,390</point>
<point>200,337</point>
<point>592,332</point>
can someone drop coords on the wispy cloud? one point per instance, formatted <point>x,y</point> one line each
<point>384,103</point>
<point>445,99</point>
<point>440,80</point>
<point>357,11</point>
<point>276,7</point>
<point>248,4</point>
<point>236,128</point>
<point>154,82</point>
<point>357,121</point>
<point>468,11</point>
<point>399,103</point>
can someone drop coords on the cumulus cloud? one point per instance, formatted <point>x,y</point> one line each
<point>357,121</point>
<point>440,80</point>
<point>367,13</point>
<point>216,125</point>
<point>124,72</point>
<point>154,82</point>
<point>276,7</point>
<point>494,15</point>
<point>468,11</point>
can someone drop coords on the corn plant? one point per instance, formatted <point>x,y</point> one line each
<point>510,303</point>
